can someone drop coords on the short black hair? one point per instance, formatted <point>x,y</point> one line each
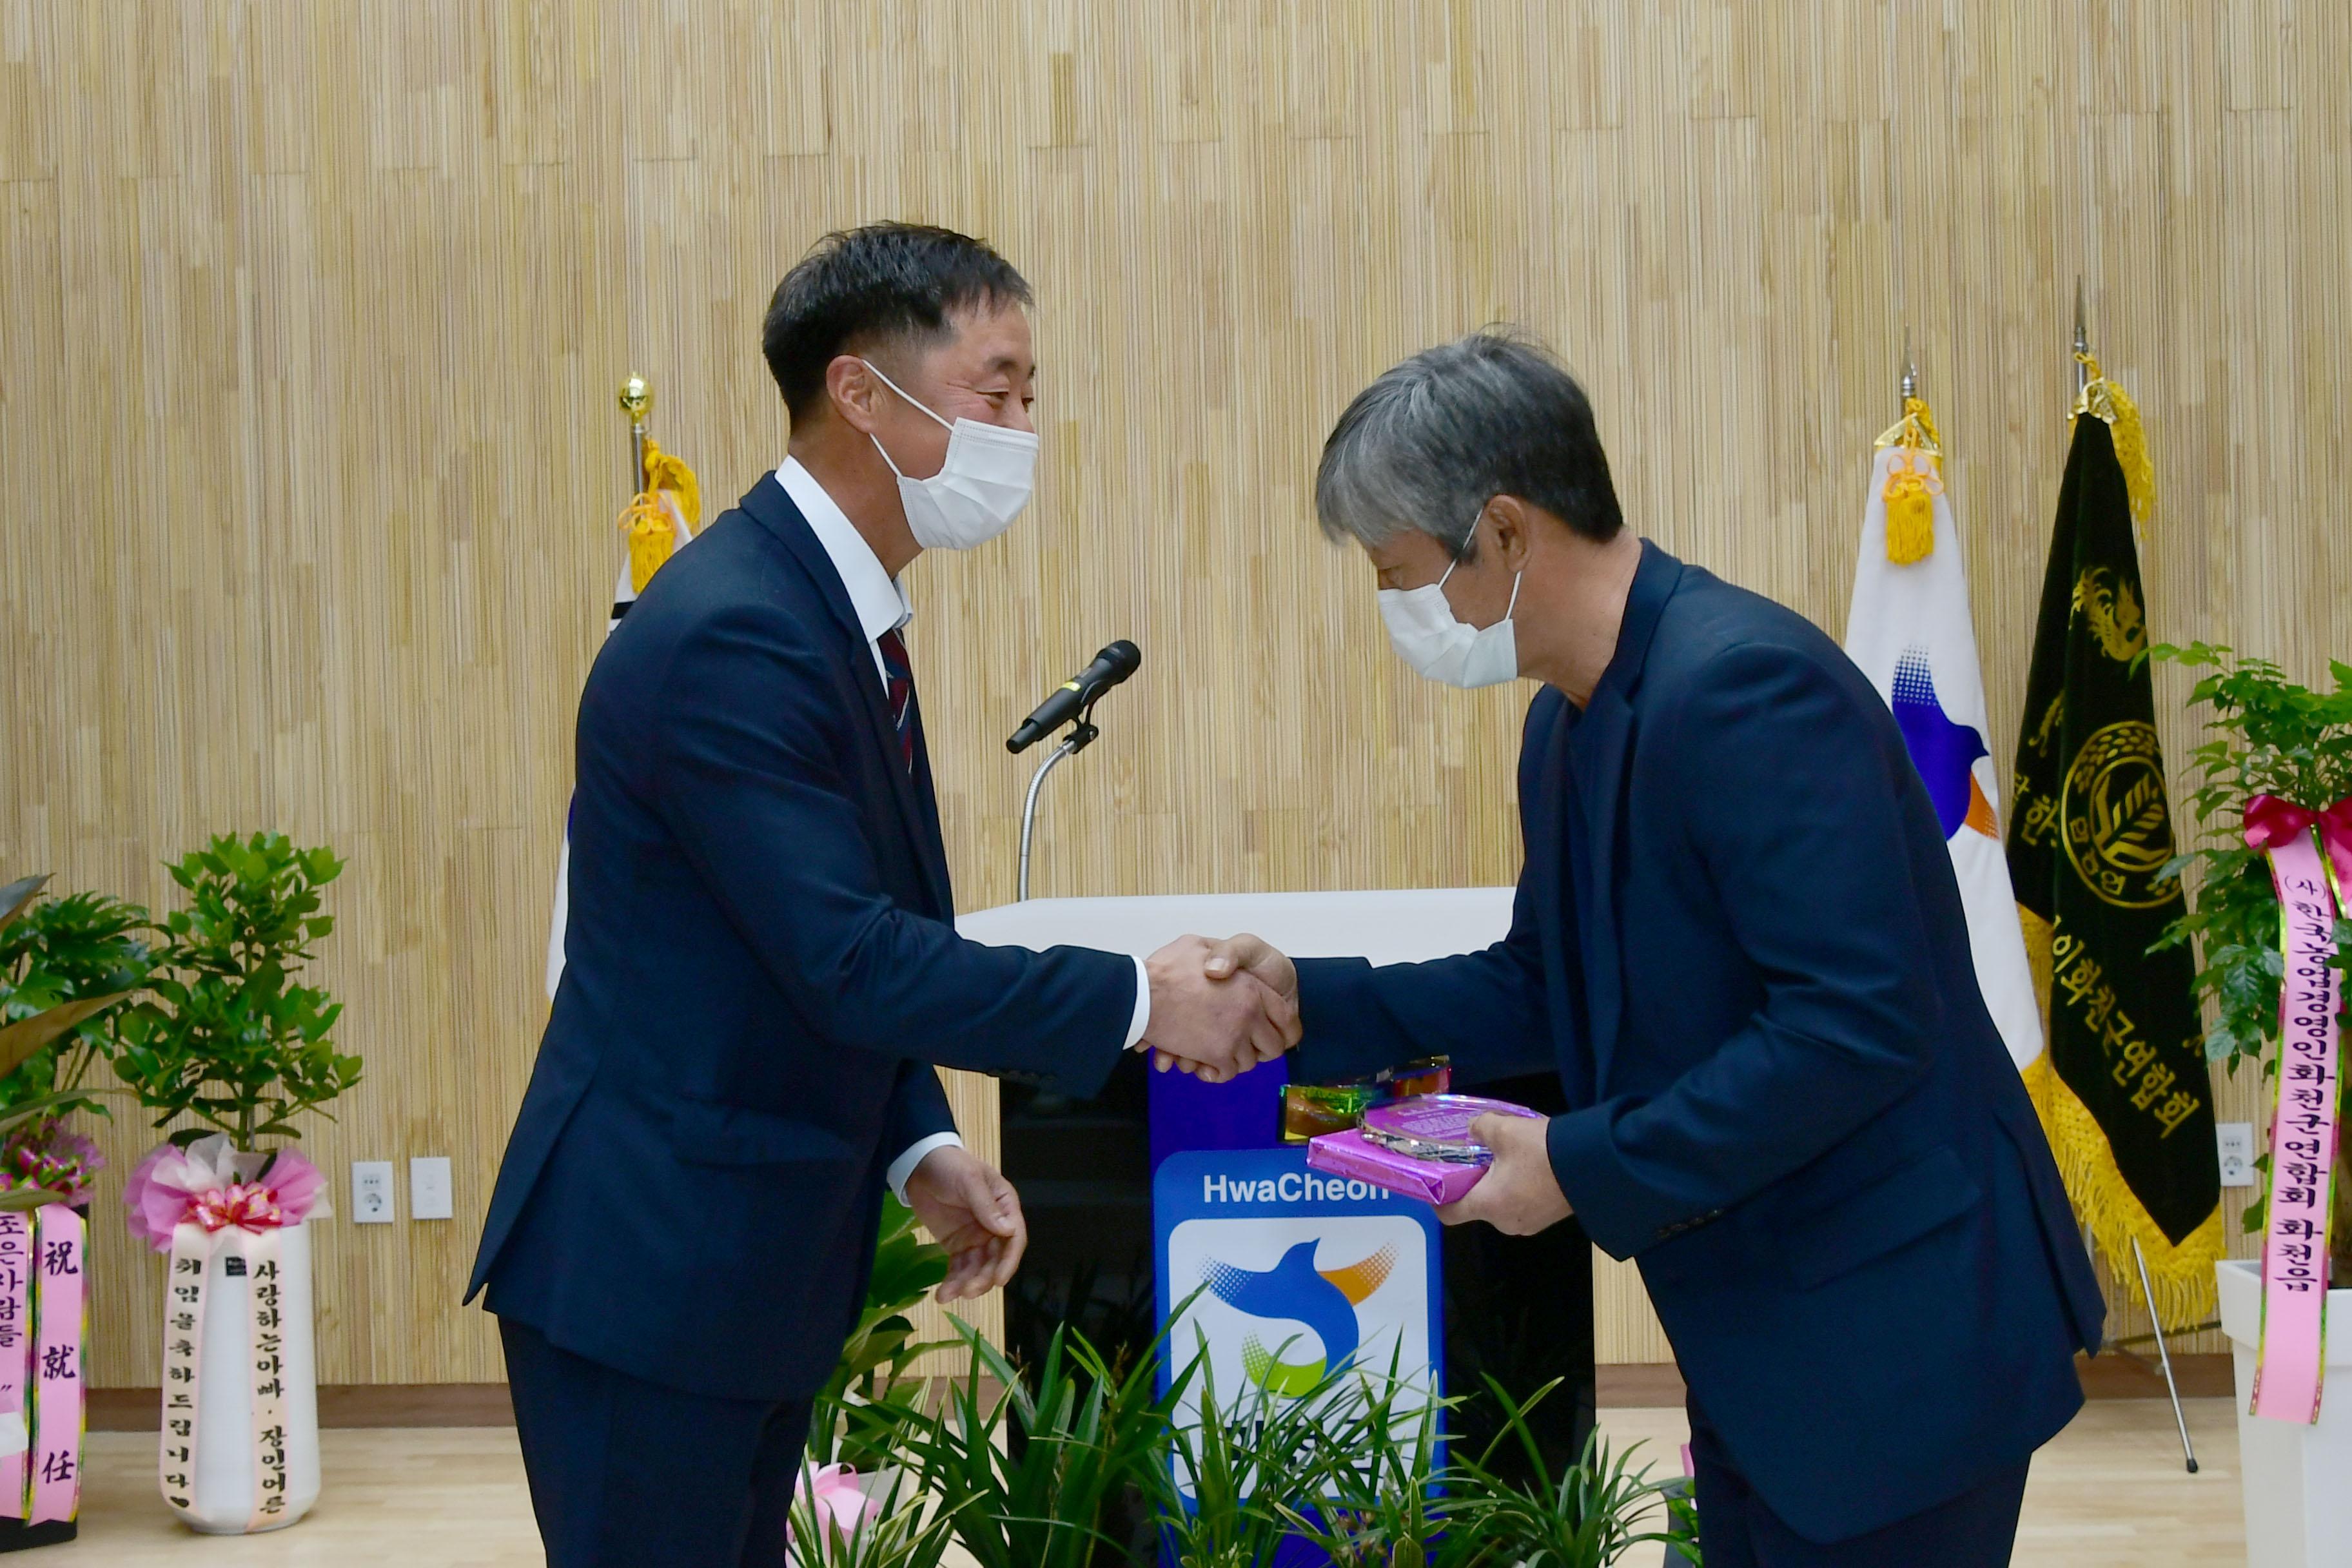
<point>883,281</point>
<point>1430,443</point>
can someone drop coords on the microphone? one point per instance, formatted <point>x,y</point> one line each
<point>1111,666</point>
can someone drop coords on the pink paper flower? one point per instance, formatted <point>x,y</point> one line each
<point>212,1185</point>
<point>842,1510</point>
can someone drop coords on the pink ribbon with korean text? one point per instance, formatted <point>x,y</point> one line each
<point>43,1314</point>
<point>2304,854</point>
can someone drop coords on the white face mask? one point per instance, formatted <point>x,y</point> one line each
<point>1422,630</point>
<point>977,492</point>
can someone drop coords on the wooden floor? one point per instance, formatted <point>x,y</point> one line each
<point>2109,1493</point>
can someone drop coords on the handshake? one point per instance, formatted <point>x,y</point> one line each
<point>1220,1008</point>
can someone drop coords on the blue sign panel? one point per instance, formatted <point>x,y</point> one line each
<point>1298,1274</point>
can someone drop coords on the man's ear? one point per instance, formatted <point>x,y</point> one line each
<point>1510,531</point>
<point>854,392</point>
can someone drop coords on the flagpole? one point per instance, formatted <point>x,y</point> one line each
<point>637,400</point>
<point>2081,341</point>
<point>2146,1289</point>
<point>1910,383</point>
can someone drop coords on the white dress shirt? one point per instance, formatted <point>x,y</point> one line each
<point>881,606</point>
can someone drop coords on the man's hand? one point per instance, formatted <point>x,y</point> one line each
<point>1518,1196</point>
<point>972,1211</point>
<point>1214,1028</point>
<point>1251,956</point>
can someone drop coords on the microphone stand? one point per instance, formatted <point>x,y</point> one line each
<point>1082,734</point>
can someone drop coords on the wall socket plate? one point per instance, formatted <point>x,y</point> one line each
<point>372,1192</point>
<point>2237,1142</point>
<point>428,1187</point>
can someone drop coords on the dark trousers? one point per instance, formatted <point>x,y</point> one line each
<point>1976,1530</point>
<point>627,1474</point>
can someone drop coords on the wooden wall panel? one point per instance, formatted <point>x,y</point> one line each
<point>310,315</point>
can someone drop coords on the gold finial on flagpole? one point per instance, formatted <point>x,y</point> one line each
<point>2081,339</point>
<point>636,398</point>
<point>636,401</point>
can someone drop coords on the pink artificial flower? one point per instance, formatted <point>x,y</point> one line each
<point>842,1510</point>
<point>54,1160</point>
<point>212,1185</point>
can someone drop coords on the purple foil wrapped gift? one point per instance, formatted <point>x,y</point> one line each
<point>1353,1155</point>
<point>1420,1146</point>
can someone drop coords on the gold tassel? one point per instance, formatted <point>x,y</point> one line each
<point>1914,480</point>
<point>654,535</point>
<point>2103,399</point>
<point>667,471</point>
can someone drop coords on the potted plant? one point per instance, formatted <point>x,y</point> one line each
<point>65,963</point>
<point>1589,1515</point>
<point>1034,1466</point>
<point>232,1047</point>
<point>2274,799</point>
<point>856,1426</point>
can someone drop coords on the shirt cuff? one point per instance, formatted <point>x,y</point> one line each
<point>1142,1019</point>
<point>904,1165</point>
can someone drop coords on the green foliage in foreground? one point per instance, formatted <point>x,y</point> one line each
<point>1077,1465</point>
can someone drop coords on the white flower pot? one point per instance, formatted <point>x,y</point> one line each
<point>2298,1504</point>
<point>222,1500</point>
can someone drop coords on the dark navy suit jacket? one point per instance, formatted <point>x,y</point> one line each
<point>1739,939</point>
<point>760,970</point>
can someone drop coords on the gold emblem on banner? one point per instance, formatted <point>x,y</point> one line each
<point>2118,828</point>
<point>2105,601</point>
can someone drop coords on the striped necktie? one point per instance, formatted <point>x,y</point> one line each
<point>899,690</point>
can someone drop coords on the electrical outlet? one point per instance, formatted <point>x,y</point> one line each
<point>428,1187</point>
<point>372,1192</point>
<point>2237,1141</point>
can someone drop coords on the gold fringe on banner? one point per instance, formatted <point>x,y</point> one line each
<point>2182,1272</point>
<point>2106,400</point>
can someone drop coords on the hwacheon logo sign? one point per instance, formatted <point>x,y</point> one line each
<point>1292,1275</point>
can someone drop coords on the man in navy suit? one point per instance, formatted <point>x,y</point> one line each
<point>1738,940</point>
<point>760,964</point>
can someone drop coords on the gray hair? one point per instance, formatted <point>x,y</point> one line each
<point>1429,444</point>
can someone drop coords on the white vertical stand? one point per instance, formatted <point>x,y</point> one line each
<point>2297,1478</point>
<point>223,1492</point>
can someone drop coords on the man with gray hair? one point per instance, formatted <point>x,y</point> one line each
<point>1739,942</point>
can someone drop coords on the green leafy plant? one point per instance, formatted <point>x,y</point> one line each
<point>1589,1516</point>
<point>907,1530</point>
<point>1030,1466</point>
<point>65,963</point>
<point>1025,1467</point>
<point>1235,1461</point>
<point>1367,1488</point>
<point>228,1036</point>
<point>2268,736</point>
<point>856,1422</point>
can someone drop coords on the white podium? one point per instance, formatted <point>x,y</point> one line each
<point>2297,1480</point>
<point>1387,926</point>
